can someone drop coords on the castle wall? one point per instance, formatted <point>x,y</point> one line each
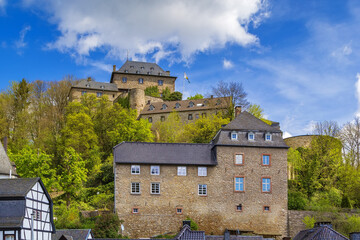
<point>215,212</point>
<point>149,80</point>
<point>76,93</point>
<point>299,141</point>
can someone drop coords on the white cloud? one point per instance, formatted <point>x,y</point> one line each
<point>227,64</point>
<point>309,128</point>
<point>20,43</point>
<point>357,88</point>
<point>286,135</point>
<point>2,6</point>
<point>172,29</point>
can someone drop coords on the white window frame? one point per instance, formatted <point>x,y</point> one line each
<point>133,187</point>
<point>181,170</point>
<point>154,189</point>
<point>263,158</point>
<point>141,81</point>
<point>99,94</point>
<point>234,136</point>
<point>202,189</point>
<point>154,168</point>
<point>236,159</point>
<point>266,184</point>
<point>134,167</point>
<point>268,135</point>
<point>9,236</point>
<point>240,182</point>
<point>202,171</point>
<point>251,134</point>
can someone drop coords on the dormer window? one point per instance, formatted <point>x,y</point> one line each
<point>268,137</point>
<point>151,68</point>
<point>151,107</point>
<point>126,71</point>
<point>177,105</point>
<point>87,85</point>
<point>102,86</point>
<point>141,67</point>
<point>137,72</point>
<point>234,136</point>
<point>251,136</point>
<point>206,102</point>
<point>148,73</point>
<point>160,73</point>
<point>191,104</point>
<point>131,66</point>
<point>164,106</point>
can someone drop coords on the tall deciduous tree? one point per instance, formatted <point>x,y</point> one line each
<point>171,130</point>
<point>233,89</point>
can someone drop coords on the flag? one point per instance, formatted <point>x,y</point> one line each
<point>186,77</point>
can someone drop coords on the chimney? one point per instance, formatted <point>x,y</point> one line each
<point>323,224</point>
<point>5,143</point>
<point>187,222</point>
<point>237,110</point>
<point>355,236</point>
<point>168,72</point>
<point>212,96</point>
<point>89,79</point>
<point>114,68</point>
<point>226,235</point>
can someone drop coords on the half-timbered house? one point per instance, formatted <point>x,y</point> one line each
<point>25,205</point>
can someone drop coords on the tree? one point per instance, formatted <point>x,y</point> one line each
<point>171,130</point>
<point>329,128</point>
<point>233,89</point>
<point>196,96</point>
<point>175,96</point>
<point>152,91</point>
<point>350,136</point>
<point>258,112</point>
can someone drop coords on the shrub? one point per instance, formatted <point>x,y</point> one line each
<point>309,222</point>
<point>296,201</point>
<point>152,91</point>
<point>345,202</point>
<point>124,102</point>
<point>107,226</point>
<point>193,225</point>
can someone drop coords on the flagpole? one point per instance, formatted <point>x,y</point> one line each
<point>184,85</point>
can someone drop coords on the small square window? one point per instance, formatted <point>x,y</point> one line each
<point>234,136</point>
<point>141,80</point>
<point>162,118</point>
<point>135,188</point>
<point>155,170</point>
<point>135,210</point>
<point>239,159</point>
<point>37,214</point>
<point>268,137</point>
<point>202,171</point>
<point>181,171</point>
<point>179,210</point>
<point>9,237</point>
<point>124,79</point>
<point>239,208</point>
<point>135,169</point>
<point>150,119</point>
<point>251,136</point>
<point>190,117</point>
<point>266,185</point>
<point>155,188</point>
<point>202,189</point>
<point>197,116</point>
<point>99,94</point>
<point>266,208</point>
<point>160,82</point>
<point>266,159</point>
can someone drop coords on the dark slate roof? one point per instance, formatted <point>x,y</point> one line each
<point>187,234</point>
<point>246,121</point>
<point>199,104</point>
<point>16,187</point>
<point>143,68</point>
<point>101,86</point>
<point>319,233</point>
<point>5,164</point>
<point>164,153</point>
<point>76,234</point>
<point>233,237</point>
<point>11,213</point>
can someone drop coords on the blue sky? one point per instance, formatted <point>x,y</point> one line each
<point>299,60</point>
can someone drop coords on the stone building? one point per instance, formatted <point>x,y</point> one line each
<point>7,168</point>
<point>236,182</point>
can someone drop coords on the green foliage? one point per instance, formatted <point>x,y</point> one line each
<point>175,96</point>
<point>258,112</point>
<point>171,130</point>
<point>35,163</point>
<point>193,225</point>
<point>345,202</point>
<point>325,201</point>
<point>124,102</point>
<point>152,91</point>
<point>196,96</point>
<point>67,217</point>
<point>309,222</point>
<point>296,201</point>
<point>107,226</point>
<point>166,94</point>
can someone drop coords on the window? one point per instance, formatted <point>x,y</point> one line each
<point>203,115</point>
<point>155,170</point>
<point>177,105</point>
<point>124,79</point>
<point>268,137</point>
<point>239,159</point>
<point>190,117</point>
<point>266,185</point>
<point>234,136</point>
<point>181,171</point>
<point>202,189</point>
<point>191,104</point>
<point>125,71</point>
<point>251,136</point>
<point>83,92</point>
<point>37,214</point>
<point>102,87</point>
<point>9,237</point>
<point>197,116</point>
<point>239,208</point>
<point>266,208</point>
<point>266,159</point>
<point>179,210</point>
<point>160,82</point>
<point>152,68</point>
<point>131,66</point>
<point>99,94</point>
<point>151,107</point>
<point>218,102</point>
<point>87,85</point>
<point>141,80</point>
<point>141,67</point>
<point>164,106</point>
<point>155,188</point>
<point>135,210</point>
<point>137,71</point>
<point>150,119</point>
<point>135,188</point>
<point>135,169</point>
<point>202,171</point>
<point>162,118</point>
<point>239,184</point>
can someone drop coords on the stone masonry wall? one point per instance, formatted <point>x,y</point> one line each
<point>149,80</point>
<point>75,93</point>
<point>215,212</point>
<point>299,141</point>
